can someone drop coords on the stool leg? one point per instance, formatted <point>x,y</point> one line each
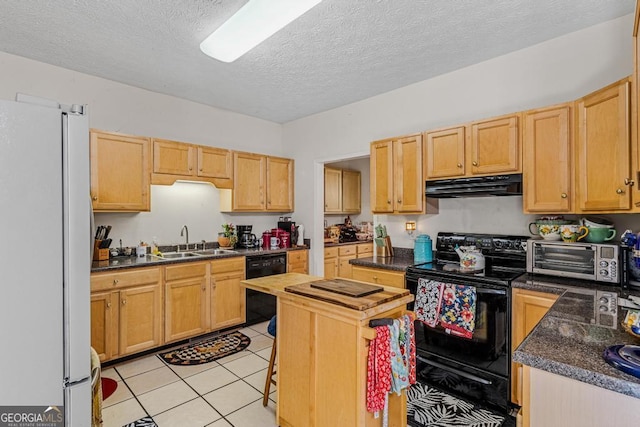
<point>270,372</point>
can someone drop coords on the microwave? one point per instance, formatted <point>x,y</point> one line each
<point>589,261</point>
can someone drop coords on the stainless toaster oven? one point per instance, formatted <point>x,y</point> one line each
<point>589,261</point>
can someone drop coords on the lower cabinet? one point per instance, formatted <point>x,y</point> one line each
<point>345,254</point>
<point>227,296</point>
<point>186,300</point>
<point>378,276</point>
<point>364,250</point>
<point>331,262</point>
<point>298,261</point>
<point>126,312</point>
<point>529,307</point>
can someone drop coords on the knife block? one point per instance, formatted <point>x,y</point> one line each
<point>99,254</point>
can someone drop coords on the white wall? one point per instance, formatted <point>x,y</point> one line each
<point>361,165</point>
<point>121,108</point>
<point>555,71</point>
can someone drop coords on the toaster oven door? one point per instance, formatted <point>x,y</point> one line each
<point>573,260</point>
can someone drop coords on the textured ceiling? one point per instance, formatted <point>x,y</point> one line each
<point>340,52</point>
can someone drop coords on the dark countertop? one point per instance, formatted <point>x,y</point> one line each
<point>568,342</point>
<point>151,261</point>
<point>402,259</point>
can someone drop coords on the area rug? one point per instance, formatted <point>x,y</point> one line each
<point>207,350</point>
<point>108,387</point>
<point>430,407</point>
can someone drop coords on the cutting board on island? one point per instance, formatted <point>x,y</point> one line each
<point>355,295</point>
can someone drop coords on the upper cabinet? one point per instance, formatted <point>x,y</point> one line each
<point>397,182</point>
<point>495,146</point>
<point>260,183</point>
<point>484,147</point>
<point>445,153</point>
<point>341,191</point>
<point>548,166</point>
<point>174,160</point>
<point>603,148</point>
<point>120,172</point>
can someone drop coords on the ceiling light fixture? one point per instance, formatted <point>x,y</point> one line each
<point>255,22</point>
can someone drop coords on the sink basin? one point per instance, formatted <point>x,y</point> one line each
<point>214,252</point>
<point>174,255</point>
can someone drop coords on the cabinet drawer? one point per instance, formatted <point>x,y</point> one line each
<point>331,252</point>
<point>364,250</point>
<point>123,279</point>
<point>184,271</point>
<point>228,264</point>
<point>378,276</point>
<point>297,256</point>
<point>347,250</point>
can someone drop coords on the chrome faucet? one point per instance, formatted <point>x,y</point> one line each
<point>185,229</point>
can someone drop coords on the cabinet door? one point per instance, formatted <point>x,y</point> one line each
<point>495,146</point>
<point>298,262</point>
<point>351,191</point>
<point>120,170</point>
<point>186,308</point>
<point>378,276</point>
<point>104,324</point>
<point>407,172</point>
<point>214,163</point>
<point>444,153</point>
<point>141,318</point>
<point>227,300</point>
<point>603,150</point>
<point>332,190</point>
<point>249,172</point>
<point>344,268</point>
<point>548,168</point>
<point>279,184</point>
<point>381,178</point>
<point>173,158</point>
<point>528,308</point>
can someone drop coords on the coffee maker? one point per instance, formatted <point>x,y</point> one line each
<point>289,226</point>
<point>246,239</point>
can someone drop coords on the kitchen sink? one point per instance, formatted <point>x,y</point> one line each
<point>174,255</point>
<point>214,252</point>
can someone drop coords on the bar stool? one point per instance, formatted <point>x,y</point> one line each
<point>271,329</point>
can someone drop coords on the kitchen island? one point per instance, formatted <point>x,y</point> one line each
<point>566,381</point>
<point>322,351</point>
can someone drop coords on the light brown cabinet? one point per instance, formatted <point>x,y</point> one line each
<point>120,172</point>
<point>529,307</point>
<point>186,300</point>
<point>378,276</point>
<point>126,312</point>
<point>445,153</point>
<point>345,254</point>
<point>260,183</point>
<point>364,250</point>
<point>396,175</point>
<point>603,147</point>
<point>228,307</point>
<point>173,160</point>
<point>341,191</point>
<point>298,261</point>
<point>548,159</point>
<point>331,262</point>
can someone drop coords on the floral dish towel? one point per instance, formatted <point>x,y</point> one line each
<point>458,311</point>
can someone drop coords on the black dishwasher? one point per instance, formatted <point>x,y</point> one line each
<point>260,306</point>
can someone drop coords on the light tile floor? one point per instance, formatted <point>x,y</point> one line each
<point>223,393</point>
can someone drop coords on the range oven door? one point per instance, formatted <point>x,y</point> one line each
<point>476,368</point>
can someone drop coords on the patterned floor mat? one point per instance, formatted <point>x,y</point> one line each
<point>429,407</point>
<point>207,350</point>
<point>142,422</point>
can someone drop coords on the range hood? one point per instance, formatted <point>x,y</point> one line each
<point>481,186</point>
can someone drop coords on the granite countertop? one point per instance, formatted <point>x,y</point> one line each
<point>402,259</point>
<point>569,342</point>
<point>152,261</point>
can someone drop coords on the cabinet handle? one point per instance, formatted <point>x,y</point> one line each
<point>204,288</point>
<point>620,191</point>
<point>388,202</point>
<point>94,198</point>
<point>563,195</point>
<point>399,201</point>
<point>124,302</point>
<point>115,282</point>
<point>628,182</point>
<point>375,278</point>
<point>474,163</point>
<point>459,165</point>
<point>109,304</point>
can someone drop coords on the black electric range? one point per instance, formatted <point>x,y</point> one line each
<point>476,368</point>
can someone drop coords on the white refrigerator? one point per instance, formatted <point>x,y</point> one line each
<point>45,262</point>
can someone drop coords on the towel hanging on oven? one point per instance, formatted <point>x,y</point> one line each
<point>428,301</point>
<point>458,310</point>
